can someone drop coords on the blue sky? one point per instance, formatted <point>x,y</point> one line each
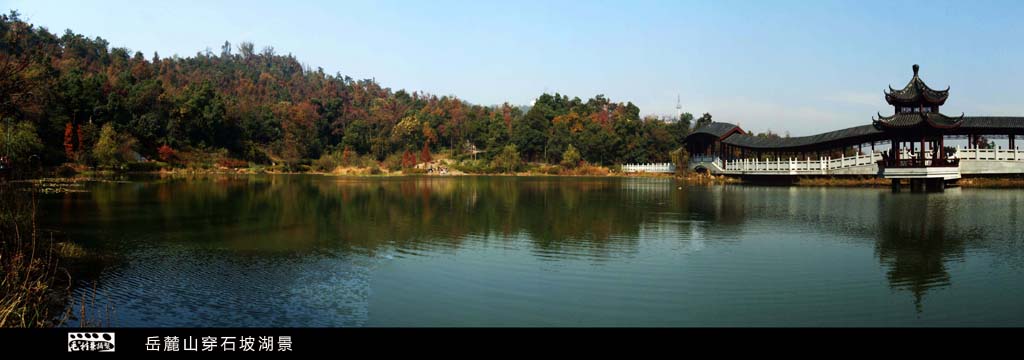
<point>797,66</point>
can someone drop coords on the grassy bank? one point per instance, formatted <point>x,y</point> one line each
<point>843,181</point>
<point>33,285</point>
<point>985,182</point>
<point>970,182</point>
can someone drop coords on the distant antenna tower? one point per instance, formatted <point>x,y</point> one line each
<point>679,108</point>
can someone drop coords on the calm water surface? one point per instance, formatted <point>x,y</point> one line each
<point>293,250</point>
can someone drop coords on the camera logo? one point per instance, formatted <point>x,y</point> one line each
<point>90,342</point>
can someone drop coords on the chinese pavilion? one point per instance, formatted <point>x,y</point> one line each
<point>916,135</point>
<point>917,119</point>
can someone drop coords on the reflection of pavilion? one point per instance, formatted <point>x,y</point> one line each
<point>914,236</point>
<point>914,241</point>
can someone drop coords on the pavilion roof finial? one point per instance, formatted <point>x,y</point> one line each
<point>915,93</point>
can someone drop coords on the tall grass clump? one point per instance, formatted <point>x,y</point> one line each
<point>33,286</point>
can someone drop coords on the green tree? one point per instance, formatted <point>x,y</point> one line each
<point>107,148</point>
<point>406,134</point>
<point>680,128</point>
<point>571,157</point>
<point>497,133</point>
<point>300,131</point>
<point>530,133</point>
<point>704,120</point>
<point>507,160</point>
<point>680,158</point>
<point>198,117</point>
<point>357,136</point>
<point>19,141</point>
<point>597,144</point>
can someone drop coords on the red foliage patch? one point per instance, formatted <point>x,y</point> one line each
<point>167,154</point>
<point>408,159</point>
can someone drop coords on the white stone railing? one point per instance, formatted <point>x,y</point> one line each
<point>705,158</point>
<point>989,154</point>
<point>650,167</point>
<point>793,165</point>
<point>859,164</point>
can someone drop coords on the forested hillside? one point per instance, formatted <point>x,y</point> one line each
<point>90,103</point>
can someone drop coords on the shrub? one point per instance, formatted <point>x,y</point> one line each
<point>375,169</point>
<point>145,166</point>
<point>166,154</point>
<point>681,160</point>
<point>507,160</point>
<point>106,149</point>
<point>66,171</point>
<point>549,169</point>
<point>19,141</point>
<point>393,162</point>
<point>232,163</point>
<point>472,166</point>
<point>328,162</point>
<point>255,153</point>
<point>586,169</point>
<point>571,157</point>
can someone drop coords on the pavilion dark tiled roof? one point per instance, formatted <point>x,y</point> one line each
<point>993,122</point>
<point>718,129</point>
<point>852,135</point>
<point>754,142</point>
<point>916,92</point>
<point>906,120</point>
<point>917,108</point>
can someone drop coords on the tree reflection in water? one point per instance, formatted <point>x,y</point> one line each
<point>915,236</point>
<point>272,224</point>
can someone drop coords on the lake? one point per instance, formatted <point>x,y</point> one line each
<point>305,250</point>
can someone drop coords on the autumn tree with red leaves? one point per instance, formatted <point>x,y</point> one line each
<point>166,154</point>
<point>69,142</point>
<point>425,153</point>
<point>408,159</point>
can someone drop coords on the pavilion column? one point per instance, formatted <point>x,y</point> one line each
<point>895,150</point>
<point>920,153</point>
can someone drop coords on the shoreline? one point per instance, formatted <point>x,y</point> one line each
<point>994,182</point>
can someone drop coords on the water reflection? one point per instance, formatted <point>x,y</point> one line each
<point>308,250</point>
<point>915,236</point>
